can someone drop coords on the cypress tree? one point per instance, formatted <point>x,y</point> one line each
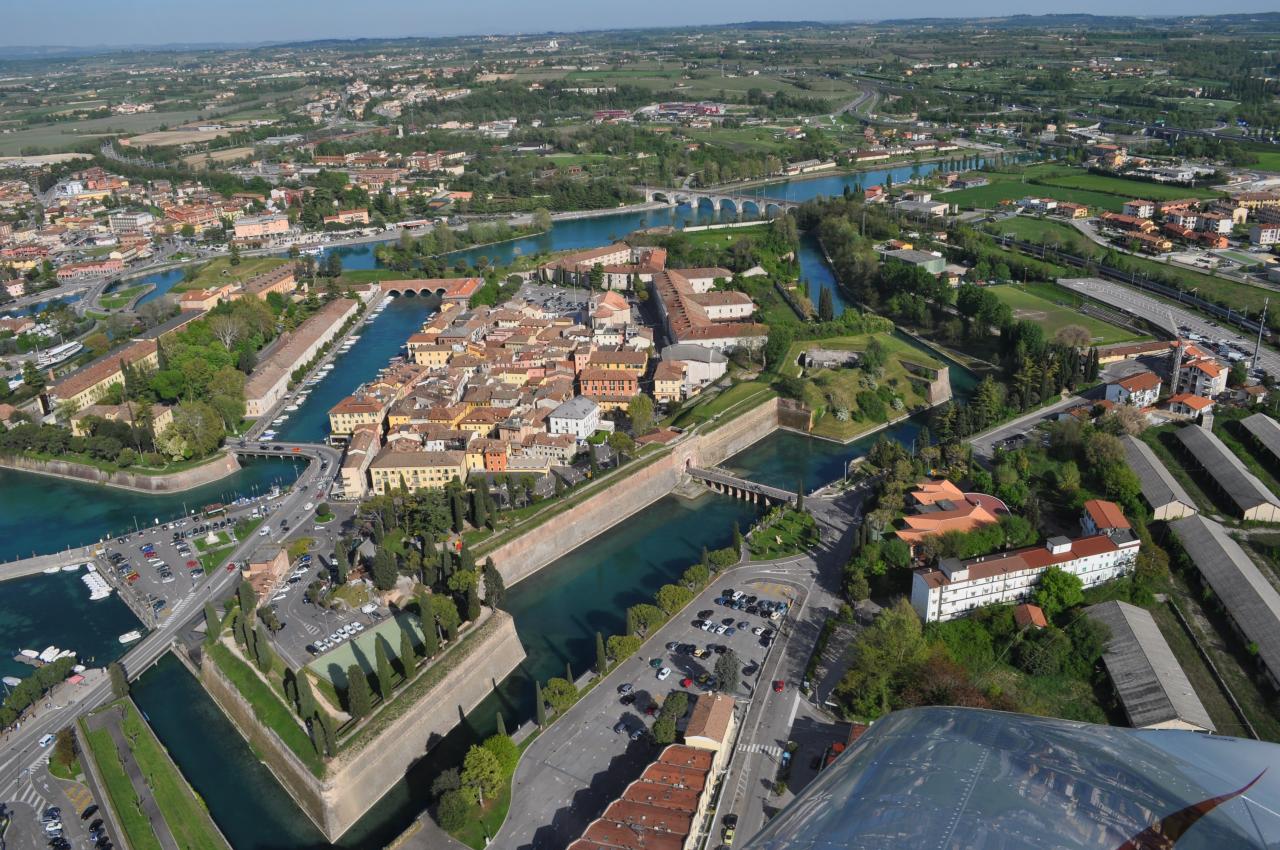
<point>212,623</point>
<point>800,495</point>
<point>459,513</point>
<point>737,537</point>
<point>326,729</point>
<point>479,510</point>
<point>408,658</point>
<point>473,603</point>
<point>501,725</point>
<point>383,664</point>
<point>359,699</point>
<point>306,699</point>
<point>446,562</point>
<point>602,660</point>
<point>495,589</point>
<point>539,708</point>
<point>568,673</point>
<point>430,638</point>
<point>466,560</point>
<point>826,309</point>
<point>262,648</point>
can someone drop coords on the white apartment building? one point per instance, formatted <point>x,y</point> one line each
<point>955,588</point>
<point>578,416</point>
<point>1141,389</point>
<point>1265,234</point>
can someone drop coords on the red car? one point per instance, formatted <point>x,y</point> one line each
<point>192,564</point>
<point>651,709</point>
<point>231,567</point>
<point>778,685</point>
<point>132,576</point>
<point>686,682</point>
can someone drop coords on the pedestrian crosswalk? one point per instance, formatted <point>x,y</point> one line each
<point>182,605</point>
<point>771,750</point>
<point>28,795</point>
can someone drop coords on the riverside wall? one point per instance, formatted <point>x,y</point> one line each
<point>176,482</point>
<point>530,552</point>
<point>359,777</point>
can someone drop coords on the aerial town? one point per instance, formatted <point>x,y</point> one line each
<point>685,437</point>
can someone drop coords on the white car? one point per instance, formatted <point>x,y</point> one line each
<point>721,629</point>
<point>264,531</point>
<point>664,672</point>
<point>357,627</point>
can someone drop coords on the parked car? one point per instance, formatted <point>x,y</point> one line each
<point>664,673</point>
<point>778,686</point>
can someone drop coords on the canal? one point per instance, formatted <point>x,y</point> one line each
<point>557,611</point>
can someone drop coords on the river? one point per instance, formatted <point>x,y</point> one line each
<point>557,611</point>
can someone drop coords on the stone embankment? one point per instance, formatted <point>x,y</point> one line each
<point>176,482</point>
<point>365,770</point>
<point>527,554</point>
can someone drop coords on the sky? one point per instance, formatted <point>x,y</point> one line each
<point>128,22</point>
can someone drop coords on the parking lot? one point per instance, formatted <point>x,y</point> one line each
<point>307,626</point>
<point>583,759</point>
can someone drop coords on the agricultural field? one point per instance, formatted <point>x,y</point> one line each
<point>1041,304</point>
<point>1098,191</point>
<point>70,135</point>
<point>166,138</point>
<point>206,159</point>
<point>1129,189</point>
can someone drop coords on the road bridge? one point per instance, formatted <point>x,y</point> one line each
<point>736,201</point>
<point>741,488</point>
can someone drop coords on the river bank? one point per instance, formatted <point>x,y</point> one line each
<point>215,469</point>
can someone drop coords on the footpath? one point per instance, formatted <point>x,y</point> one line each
<point>110,720</point>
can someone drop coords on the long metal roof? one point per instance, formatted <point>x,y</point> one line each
<point>1219,462</point>
<point>1159,487</point>
<point>1265,430</point>
<point>1237,582</point>
<point>1147,677</point>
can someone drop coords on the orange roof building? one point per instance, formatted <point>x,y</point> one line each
<point>941,506</point>
<point>1102,517</point>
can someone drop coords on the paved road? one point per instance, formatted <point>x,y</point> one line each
<point>574,768</point>
<point>19,748</point>
<point>1145,306</point>
<point>984,444</point>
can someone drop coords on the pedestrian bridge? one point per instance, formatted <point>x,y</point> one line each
<point>741,488</point>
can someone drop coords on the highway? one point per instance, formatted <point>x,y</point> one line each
<point>20,749</point>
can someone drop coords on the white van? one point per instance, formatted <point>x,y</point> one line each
<point>46,740</point>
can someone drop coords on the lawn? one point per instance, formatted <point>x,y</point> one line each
<point>269,708</point>
<point>990,196</point>
<point>121,297</point>
<point>783,533</point>
<point>1239,295</point>
<point>220,271</point>
<point>828,391</point>
<point>124,800</point>
<point>186,816</point>
<point>737,397</point>
<point>1202,681</point>
<point>1128,189</point>
<point>1053,315</point>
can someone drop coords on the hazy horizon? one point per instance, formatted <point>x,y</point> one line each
<point>141,23</point>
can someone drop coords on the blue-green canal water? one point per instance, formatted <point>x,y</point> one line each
<point>557,612</point>
<point>40,514</point>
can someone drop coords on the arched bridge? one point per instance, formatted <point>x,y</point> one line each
<point>736,201</point>
<point>447,288</point>
<point>741,488</point>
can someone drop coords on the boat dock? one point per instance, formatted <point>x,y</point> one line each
<point>46,563</point>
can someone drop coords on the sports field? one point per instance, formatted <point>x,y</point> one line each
<point>1051,311</point>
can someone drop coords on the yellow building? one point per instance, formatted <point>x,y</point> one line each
<point>161,417</point>
<point>668,382</point>
<point>352,412</point>
<point>427,352</point>
<point>415,470</point>
<point>90,384</point>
